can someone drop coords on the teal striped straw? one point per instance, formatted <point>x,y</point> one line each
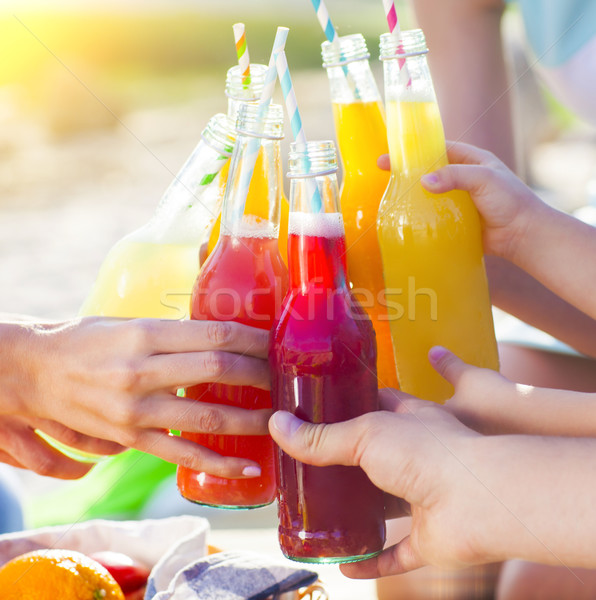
<point>254,145</point>
<point>331,35</point>
<point>289,95</point>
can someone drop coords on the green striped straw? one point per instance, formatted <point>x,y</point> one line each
<point>250,158</point>
<point>242,52</point>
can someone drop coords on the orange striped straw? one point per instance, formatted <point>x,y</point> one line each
<point>242,52</point>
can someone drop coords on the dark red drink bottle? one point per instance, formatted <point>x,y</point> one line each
<point>323,362</point>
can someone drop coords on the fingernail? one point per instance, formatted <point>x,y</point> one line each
<point>251,471</point>
<point>436,353</point>
<point>286,423</point>
<point>430,179</point>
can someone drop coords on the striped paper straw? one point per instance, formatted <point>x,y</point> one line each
<point>325,20</point>
<point>242,52</point>
<point>395,30</point>
<point>289,95</point>
<point>331,35</point>
<point>254,145</point>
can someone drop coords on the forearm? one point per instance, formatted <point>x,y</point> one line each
<point>535,499</point>
<point>468,67</point>
<point>559,250</point>
<point>519,294</point>
<point>534,411</point>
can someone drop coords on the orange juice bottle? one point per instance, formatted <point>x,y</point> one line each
<point>437,290</point>
<point>239,94</point>
<point>362,137</point>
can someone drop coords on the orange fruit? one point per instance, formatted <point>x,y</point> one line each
<point>53,574</point>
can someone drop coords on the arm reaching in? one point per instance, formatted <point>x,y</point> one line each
<point>491,404</point>
<point>100,384</point>
<point>473,499</point>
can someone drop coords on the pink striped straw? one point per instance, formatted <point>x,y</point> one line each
<point>395,30</point>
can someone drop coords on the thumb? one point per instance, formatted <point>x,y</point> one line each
<point>383,162</point>
<point>447,365</point>
<point>395,560</point>
<point>321,445</point>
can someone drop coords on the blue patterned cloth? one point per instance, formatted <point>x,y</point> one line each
<point>233,575</point>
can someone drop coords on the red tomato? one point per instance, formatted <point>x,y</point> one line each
<point>130,574</point>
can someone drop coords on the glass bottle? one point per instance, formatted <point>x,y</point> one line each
<point>243,280</point>
<point>362,137</point>
<point>151,271</point>
<point>239,94</point>
<point>437,291</point>
<point>323,369</point>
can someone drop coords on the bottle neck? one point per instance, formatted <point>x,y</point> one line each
<point>255,212</point>
<point>192,202</point>
<point>351,82</point>
<point>317,251</point>
<point>414,127</point>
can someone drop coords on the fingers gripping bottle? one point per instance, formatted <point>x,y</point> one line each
<point>150,272</point>
<point>243,280</point>
<point>323,369</point>
<point>238,94</point>
<point>437,290</point>
<point>362,137</point>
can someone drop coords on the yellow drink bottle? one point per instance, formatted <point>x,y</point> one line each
<point>362,137</point>
<point>151,271</point>
<point>239,93</point>
<point>437,290</point>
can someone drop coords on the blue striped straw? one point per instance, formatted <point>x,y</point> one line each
<point>331,35</point>
<point>296,122</point>
<point>325,20</point>
<point>254,145</point>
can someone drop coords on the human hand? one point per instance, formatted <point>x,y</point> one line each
<point>415,450</point>
<point>115,380</point>
<point>483,399</point>
<point>491,404</point>
<point>506,205</point>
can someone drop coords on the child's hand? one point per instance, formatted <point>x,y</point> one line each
<point>506,205</point>
<point>483,399</point>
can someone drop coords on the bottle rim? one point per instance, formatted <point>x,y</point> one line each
<point>219,135</point>
<point>409,43</point>
<point>270,127</point>
<point>235,89</point>
<point>303,156</point>
<point>348,48</point>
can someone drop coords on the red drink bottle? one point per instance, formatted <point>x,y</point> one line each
<point>323,363</point>
<point>243,280</point>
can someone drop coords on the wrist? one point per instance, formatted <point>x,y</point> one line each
<point>17,372</point>
<point>534,219</point>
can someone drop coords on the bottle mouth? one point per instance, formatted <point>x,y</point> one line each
<point>313,159</point>
<point>252,124</point>
<point>219,135</point>
<point>236,90</point>
<point>346,49</point>
<point>409,43</point>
